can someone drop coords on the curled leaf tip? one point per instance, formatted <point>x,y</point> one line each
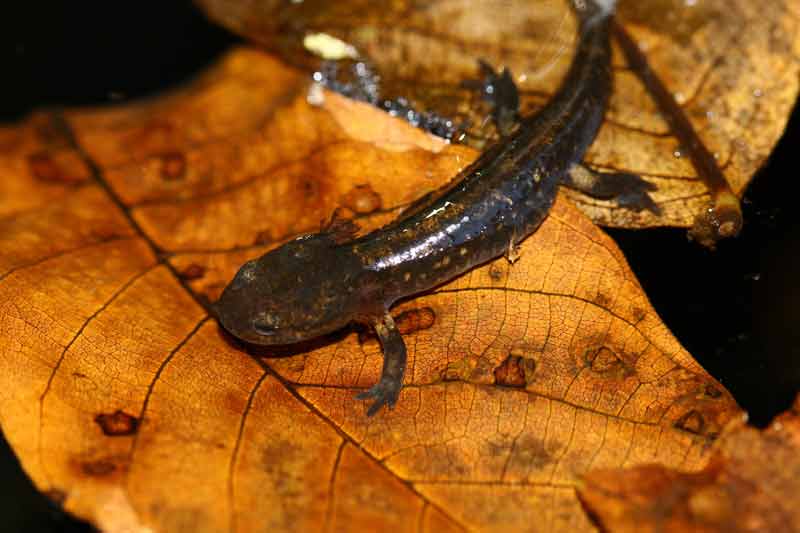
<point>722,219</point>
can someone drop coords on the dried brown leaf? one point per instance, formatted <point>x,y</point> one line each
<point>750,484</point>
<point>125,400</point>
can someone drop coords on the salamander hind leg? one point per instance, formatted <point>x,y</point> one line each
<point>500,92</point>
<point>387,390</point>
<point>499,89</point>
<point>628,190</point>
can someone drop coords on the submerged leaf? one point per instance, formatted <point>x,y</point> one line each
<point>728,70</point>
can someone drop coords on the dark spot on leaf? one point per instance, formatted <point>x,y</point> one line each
<point>263,237</point>
<point>277,454</point>
<point>79,375</point>
<point>117,424</point>
<point>45,167</point>
<point>232,402</point>
<point>99,468</point>
<point>529,454</point>
<point>57,496</point>
<point>173,166</point>
<point>603,360</point>
<point>515,371</point>
<point>193,271</point>
<point>712,392</point>
<point>638,314</point>
<point>276,457</point>
<point>448,373</point>
<point>309,188</point>
<point>693,422</point>
<point>495,447</point>
<point>602,300</point>
<point>457,370</point>
<point>362,199</point>
<point>496,272</point>
<point>415,320</point>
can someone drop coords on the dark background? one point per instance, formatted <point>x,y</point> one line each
<point>734,309</point>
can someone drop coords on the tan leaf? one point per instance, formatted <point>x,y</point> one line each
<point>128,404</point>
<point>703,90</point>
<point>750,484</point>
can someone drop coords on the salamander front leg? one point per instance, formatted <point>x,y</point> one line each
<point>628,190</point>
<point>387,390</point>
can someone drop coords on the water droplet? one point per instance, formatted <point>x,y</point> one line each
<point>677,154</point>
<point>680,97</point>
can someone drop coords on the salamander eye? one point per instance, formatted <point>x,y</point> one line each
<point>266,324</point>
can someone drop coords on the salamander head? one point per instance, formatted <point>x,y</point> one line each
<point>299,291</point>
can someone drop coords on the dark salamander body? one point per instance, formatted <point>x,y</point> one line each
<point>316,284</point>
